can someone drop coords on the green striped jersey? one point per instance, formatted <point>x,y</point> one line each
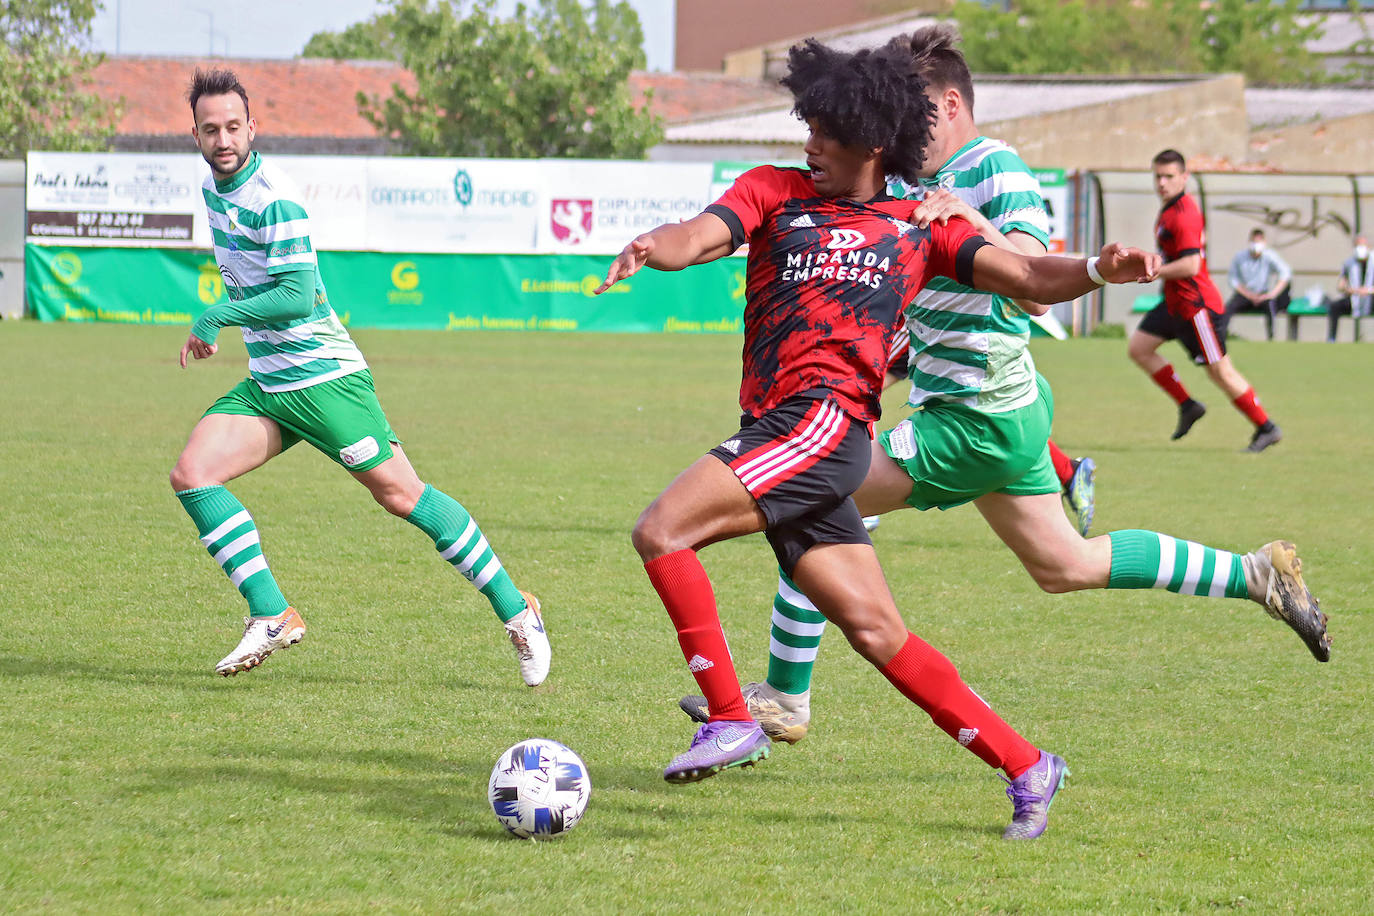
<point>260,229</point>
<point>970,347</point>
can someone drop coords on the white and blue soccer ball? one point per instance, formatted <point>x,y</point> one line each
<point>539,788</point>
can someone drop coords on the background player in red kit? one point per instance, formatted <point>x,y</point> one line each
<point>832,263</point>
<point>1192,311</point>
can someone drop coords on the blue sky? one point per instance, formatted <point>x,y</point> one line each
<point>280,28</point>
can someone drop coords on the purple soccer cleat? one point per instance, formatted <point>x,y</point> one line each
<point>1031,795</point>
<point>718,746</point>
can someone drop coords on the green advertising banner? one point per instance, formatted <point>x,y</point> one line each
<point>374,290</point>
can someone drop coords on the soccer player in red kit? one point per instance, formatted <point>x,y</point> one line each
<point>833,261</point>
<point>1192,311</point>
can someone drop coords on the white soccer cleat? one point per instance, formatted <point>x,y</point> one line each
<point>784,716</point>
<point>261,637</point>
<point>526,632</point>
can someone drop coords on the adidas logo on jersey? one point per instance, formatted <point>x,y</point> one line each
<point>966,736</point>
<point>802,222</point>
<point>902,225</point>
<point>701,664</point>
<point>731,446</point>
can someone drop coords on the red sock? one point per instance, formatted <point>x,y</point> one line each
<point>1249,405</point>
<point>683,585</point>
<point>1063,465</point>
<point>1167,379</point>
<point>928,679</point>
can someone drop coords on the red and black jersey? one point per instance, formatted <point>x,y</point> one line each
<point>827,282</point>
<point>1179,232</point>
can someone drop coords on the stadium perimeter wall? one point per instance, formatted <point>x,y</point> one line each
<point>520,244</point>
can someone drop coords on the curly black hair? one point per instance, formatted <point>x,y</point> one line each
<point>868,99</point>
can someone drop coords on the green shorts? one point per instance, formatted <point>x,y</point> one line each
<point>955,454</point>
<point>341,417</point>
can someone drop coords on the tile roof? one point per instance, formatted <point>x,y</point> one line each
<point>301,97</point>
<point>315,97</point>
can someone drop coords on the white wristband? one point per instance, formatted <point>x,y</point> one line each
<point>1093,274</point>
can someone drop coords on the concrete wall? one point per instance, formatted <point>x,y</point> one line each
<point>1335,145</point>
<point>12,185</point>
<point>1192,117</point>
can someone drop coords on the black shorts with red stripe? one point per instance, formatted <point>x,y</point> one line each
<point>1203,336</point>
<point>801,462</point>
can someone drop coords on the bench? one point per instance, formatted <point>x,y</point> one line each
<point>1297,308</point>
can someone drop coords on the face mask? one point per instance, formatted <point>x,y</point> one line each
<point>1361,252</point>
<point>1256,248</point>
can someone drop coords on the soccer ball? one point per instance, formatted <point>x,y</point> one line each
<point>539,788</point>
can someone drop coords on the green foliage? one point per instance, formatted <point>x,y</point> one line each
<point>551,80</point>
<point>42,101</point>
<point>1216,766</point>
<point>1265,41</point>
<point>367,40</point>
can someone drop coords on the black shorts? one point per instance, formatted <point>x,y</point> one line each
<point>1204,336</point>
<point>801,462</point>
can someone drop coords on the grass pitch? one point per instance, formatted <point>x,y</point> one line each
<point>1215,764</point>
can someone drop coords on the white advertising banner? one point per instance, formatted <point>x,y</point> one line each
<point>459,205</point>
<point>333,191</point>
<point>595,207</point>
<point>115,199</point>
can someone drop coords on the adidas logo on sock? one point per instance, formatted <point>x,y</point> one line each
<point>966,736</point>
<point>700,664</point>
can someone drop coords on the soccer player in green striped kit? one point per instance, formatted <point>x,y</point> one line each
<point>308,381</point>
<point>980,427</point>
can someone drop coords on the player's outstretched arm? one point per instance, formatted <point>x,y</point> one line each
<point>672,246</point>
<point>1051,279</point>
<point>291,296</point>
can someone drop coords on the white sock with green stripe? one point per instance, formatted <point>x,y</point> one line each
<point>794,640</point>
<point>1148,559</point>
<point>227,531</point>
<point>459,540</point>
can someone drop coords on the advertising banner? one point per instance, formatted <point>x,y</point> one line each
<point>1054,188</point>
<point>114,199</point>
<point>596,207</point>
<point>376,290</point>
<point>450,205</point>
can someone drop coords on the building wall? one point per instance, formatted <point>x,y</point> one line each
<point>1336,145</point>
<point>707,30</point>
<point>12,212</point>
<point>1192,118</point>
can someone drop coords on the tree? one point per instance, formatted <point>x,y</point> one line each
<point>1266,41</point>
<point>368,40</point>
<point>552,80</point>
<point>42,103</point>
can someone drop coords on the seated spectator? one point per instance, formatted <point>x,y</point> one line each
<point>1259,278</point>
<point>1356,283</point>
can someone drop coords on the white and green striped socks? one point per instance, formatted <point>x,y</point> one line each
<point>227,531</point>
<point>460,542</point>
<point>794,640</point>
<point>1148,559</point>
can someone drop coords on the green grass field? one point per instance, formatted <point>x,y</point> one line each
<point>1216,766</point>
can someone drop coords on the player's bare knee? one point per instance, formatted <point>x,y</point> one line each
<point>651,537</point>
<point>877,642</point>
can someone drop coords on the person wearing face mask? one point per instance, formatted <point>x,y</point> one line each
<point>1356,282</point>
<point>1260,280</point>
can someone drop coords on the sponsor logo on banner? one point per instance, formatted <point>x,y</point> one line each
<point>66,266</point>
<point>210,285</point>
<point>75,187</point>
<point>406,282</point>
<point>462,187</point>
<point>571,220</point>
<point>152,185</point>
